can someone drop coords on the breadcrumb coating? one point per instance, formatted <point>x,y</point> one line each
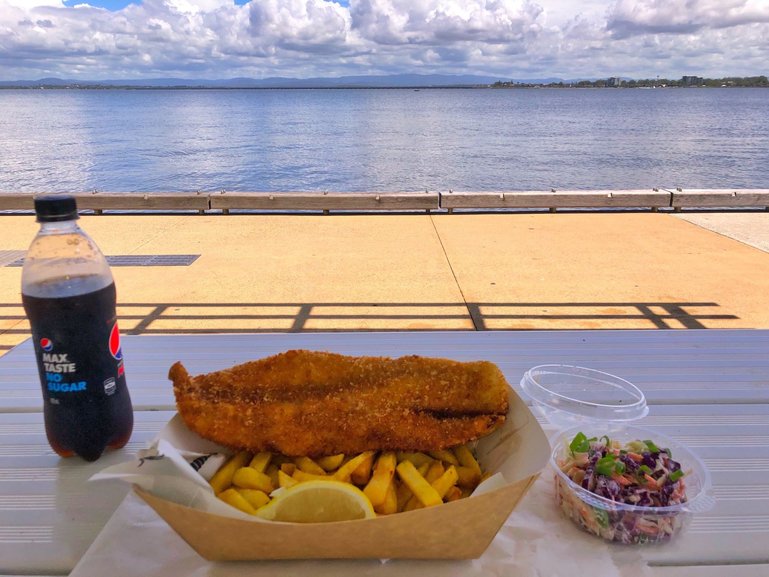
<point>318,403</point>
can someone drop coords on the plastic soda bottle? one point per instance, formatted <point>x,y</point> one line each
<point>69,297</point>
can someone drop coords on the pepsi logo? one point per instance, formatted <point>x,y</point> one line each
<point>114,343</point>
<point>46,345</point>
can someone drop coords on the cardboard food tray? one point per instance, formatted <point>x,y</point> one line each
<point>462,529</point>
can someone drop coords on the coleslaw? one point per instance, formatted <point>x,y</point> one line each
<point>629,493</point>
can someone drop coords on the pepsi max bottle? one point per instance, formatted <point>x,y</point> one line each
<point>69,298</point>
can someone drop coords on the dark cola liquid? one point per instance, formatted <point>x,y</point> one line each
<point>87,407</point>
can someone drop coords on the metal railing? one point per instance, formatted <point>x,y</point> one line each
<point>675,199</point>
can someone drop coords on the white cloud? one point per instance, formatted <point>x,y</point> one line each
<point>444,21</point>
<point>299,24</point>
<point>505,38</point>
<point>633,17</point>
<point>197,6</point>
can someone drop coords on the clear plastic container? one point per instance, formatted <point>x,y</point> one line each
<point>578,399</point>
<point>567,395</point>
<point>624,523</point>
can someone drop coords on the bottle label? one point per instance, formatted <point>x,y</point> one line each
<point>77,345</point>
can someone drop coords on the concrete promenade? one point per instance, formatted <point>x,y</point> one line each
<point>267,273</point>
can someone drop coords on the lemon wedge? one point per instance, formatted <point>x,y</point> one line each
<point>318,502</point>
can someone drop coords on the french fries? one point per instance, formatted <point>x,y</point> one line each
<point>418,459</point>
<point>222,479</point>
<point>254,497</point>
<point>378,487</point>
<point>232,497</point>
<point>445,455</point>
<point>248,478</point>
<point>453,494</point>
<point>285,480</point>
<point>331,462</point>
<point>393,481</point>
<point>309,466</point>
<point>390,504</point>
<point>466,459</point>
<point>362,473</point>
<point>418,484</point>
<point>344,472</point>
<point>446,481</point>
<point>260,461</point>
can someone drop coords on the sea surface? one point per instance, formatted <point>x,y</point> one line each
<point>382,140</point>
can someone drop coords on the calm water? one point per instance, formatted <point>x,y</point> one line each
<point>382,140</point>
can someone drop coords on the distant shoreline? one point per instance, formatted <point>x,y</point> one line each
<point>381,83</point>
<point>117,87</point>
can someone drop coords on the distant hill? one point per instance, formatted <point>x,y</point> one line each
<point>389,81</point>
<point>31,83</point>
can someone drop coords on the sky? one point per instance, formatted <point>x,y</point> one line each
<point>504,39</point>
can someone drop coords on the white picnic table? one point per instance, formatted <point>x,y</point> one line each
<point>708,389</point>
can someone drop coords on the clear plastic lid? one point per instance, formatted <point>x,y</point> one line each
<point>567,395</point>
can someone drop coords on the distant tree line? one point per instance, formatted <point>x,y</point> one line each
<point>685,81</point>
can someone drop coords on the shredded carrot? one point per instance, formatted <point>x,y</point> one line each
<point>622,479</point>
<point>651,480</point>
<point>635,457</point>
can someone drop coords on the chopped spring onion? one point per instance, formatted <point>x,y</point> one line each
<point>652,447</point>
<point>580,443</point>
<point>675,475</point>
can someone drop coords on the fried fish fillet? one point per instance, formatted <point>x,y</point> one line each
<point>317,403</point>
